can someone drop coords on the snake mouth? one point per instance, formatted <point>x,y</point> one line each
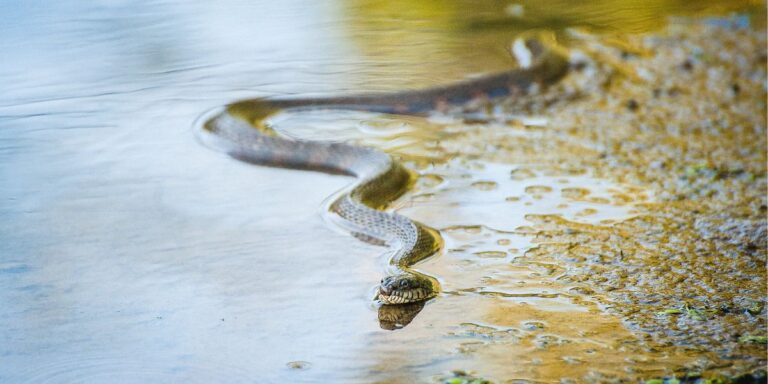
<point>405,288</point>
<point>404,296</point>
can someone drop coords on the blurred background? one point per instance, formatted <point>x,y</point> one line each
<point>131,253</point>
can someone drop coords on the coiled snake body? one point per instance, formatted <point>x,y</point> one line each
<point>240,130</point>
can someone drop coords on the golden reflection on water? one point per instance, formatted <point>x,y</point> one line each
<point>416,44</point>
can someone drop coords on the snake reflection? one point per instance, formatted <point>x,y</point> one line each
<point>240,130</point>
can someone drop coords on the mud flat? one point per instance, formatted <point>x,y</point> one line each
<point>680,115</point>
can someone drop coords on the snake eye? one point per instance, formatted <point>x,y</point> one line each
<point>403,283</point>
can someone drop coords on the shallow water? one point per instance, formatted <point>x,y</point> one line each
<point>129,252</point>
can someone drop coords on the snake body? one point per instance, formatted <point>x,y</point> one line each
<point>240,130</point>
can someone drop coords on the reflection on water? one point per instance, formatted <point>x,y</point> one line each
<point>499,196</point>
<point>130,253</point>
<point>454,39</point>
<point>392,317</point>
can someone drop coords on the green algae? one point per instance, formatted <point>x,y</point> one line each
<point>670,311</point>
<point>753,339</point>
<point>461,377</point>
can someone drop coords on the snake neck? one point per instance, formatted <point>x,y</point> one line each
<point>380,180</point>
<point>359,211</point>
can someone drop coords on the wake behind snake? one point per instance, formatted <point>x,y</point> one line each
<point>240,129</point>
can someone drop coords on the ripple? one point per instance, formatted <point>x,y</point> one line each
<point>522,173</point>
<point>430,180</point>
<point>491,254</point>
<point>301,365</point>
<point>13,268</point>
<point>119,370</point>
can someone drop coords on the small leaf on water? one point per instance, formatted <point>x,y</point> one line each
<point>694,313</point>
<point>670,311</point>
<point>755,308</point>
<point>753,339</point>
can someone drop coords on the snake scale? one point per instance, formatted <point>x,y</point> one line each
<point>241,130</point>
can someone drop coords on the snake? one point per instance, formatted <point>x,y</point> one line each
<point>242,130</point>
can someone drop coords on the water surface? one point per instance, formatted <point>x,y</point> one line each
<point>129,252</point>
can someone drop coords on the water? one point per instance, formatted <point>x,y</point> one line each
<point>129,252</point>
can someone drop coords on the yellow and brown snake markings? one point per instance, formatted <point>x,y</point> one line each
<point>240,130</point>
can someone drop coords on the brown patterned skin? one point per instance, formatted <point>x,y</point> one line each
<point>240,131</point>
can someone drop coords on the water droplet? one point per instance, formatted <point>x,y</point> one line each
<point>430,180</point>
<point>491,254</point>
<point>586,212</point>
<point>574,193</point>
<point>533,325</point>
<point>538,189</point>
<point>522,173</point>
<point>485,185</point>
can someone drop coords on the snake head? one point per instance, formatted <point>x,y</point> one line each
<point>405,288</point>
